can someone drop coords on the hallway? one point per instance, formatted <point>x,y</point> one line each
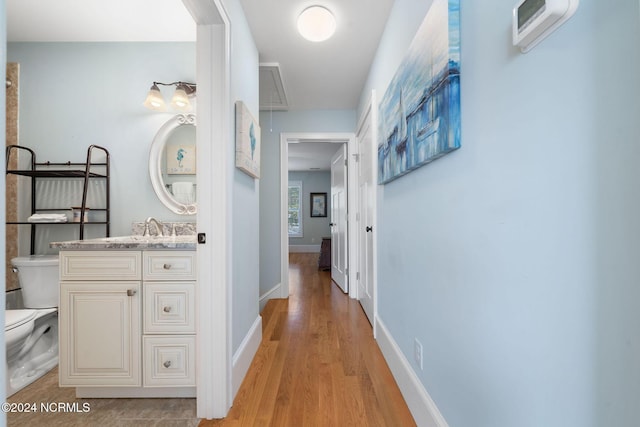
<point>318,364</point>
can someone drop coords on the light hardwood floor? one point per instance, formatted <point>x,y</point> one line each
<point>318,364</point>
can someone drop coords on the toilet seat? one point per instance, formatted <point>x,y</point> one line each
<point>16,318</point>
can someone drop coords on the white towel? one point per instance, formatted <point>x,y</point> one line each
<point>47,218</point>
<point>183,192</point>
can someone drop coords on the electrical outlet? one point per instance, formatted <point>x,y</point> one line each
<point>417,352</point>
<point>313,240</point>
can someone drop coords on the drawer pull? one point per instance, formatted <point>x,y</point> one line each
<point>167,266</point>
<point>167,309</point>
<point>167,363</point>
<point>131,292</point>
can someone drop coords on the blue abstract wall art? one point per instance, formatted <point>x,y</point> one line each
<point>420,111</point>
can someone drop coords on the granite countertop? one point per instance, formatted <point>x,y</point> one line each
<point>187,242</point>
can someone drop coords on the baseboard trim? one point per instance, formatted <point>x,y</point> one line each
<point>304,249</point>
<point>244,355</point>
<point>422,407</point>
<point>271,293</point>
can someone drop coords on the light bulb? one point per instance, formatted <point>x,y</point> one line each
<point>154,100</point>
<point>180,100</point>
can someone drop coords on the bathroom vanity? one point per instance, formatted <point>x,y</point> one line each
<point>127,316</point>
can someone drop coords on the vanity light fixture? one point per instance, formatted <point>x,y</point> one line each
<point>180,101</point>
<point>316,24</point>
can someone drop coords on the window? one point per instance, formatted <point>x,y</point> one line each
<point>295,209</point>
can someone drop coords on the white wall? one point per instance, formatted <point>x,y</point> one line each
<point>272,124</point>
<point>514,260</point>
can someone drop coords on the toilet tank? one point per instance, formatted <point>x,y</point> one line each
<point>38,278</point>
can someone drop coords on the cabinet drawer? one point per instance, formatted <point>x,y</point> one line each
<point>100,265</point>
<point>169,361</point>
<point>169,308</point>
<point>169,265</point>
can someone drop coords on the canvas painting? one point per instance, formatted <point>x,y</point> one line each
<point>247,141</point>
<point>420,111</point>
<point>181,159</point>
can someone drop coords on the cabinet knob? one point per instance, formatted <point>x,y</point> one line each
<point>131,292</point>
<point>166,309</point>
<point>167,266</point>
<point>167,364</point>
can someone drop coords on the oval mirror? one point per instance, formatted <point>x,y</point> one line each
<point>172,164</point>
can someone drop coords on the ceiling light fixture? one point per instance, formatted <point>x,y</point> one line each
<point>316,24</point>
<point>179,101</point>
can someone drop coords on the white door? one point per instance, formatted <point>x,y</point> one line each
<point>366,198</point>
<point>339,218</point>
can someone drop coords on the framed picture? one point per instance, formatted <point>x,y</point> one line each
<point>318,205</point>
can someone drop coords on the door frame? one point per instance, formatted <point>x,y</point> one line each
<point>3,111</point>
<point>329,137</point>
<point>214,137</point>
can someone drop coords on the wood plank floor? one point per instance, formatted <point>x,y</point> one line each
<point>318,364</point>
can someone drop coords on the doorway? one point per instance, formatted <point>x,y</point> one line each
<point>348,139</point>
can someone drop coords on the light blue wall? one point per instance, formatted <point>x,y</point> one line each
<point>73,95</point>
<point>514,260</point>
<point>314,229</point>
<point>272,124</point>
<point>245,211</point>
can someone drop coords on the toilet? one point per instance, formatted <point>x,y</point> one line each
<point>31,334</point>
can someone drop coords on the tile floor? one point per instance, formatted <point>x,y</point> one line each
<point>102,412</point>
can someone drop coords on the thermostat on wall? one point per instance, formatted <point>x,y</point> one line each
<point>533,20</point>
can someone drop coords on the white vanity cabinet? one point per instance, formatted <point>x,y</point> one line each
<point>127,323</point>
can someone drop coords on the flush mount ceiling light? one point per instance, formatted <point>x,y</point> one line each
<point>316,24</point>
<point>180,101</point>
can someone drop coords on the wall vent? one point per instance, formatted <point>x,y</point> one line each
<point>272,95</point>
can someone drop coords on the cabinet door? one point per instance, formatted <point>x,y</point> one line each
<point>100,334</point>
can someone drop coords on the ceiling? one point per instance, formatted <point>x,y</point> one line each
<point>326,75</point>
<point>311,156</point>
<point>98,20</point>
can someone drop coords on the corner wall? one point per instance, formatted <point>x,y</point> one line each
<point>514,260</point>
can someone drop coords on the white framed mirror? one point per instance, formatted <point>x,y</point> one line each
<point>172,164</point>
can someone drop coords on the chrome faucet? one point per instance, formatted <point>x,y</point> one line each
<point>157,223</point>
